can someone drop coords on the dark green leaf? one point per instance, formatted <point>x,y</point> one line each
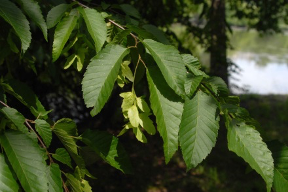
<point>62,155</point>
<point>192,84</point>
<point>130,10</point>
<point>44,130</point>
<point>32,9</point>
<point>191,61</point>
<point>109,148</point>
<point>100,76</point>
<point>27,160</point>
<point>96,26</point>
<point>160,35</point>
<point>14,16</point>
<point>218,86</point>
<point>55,14</point>
<point>74,183</point>
<point>280,156</point>
<point>16,118</point>
<point>62,33</point>
<point>7,181</point>
<point>54,178</point>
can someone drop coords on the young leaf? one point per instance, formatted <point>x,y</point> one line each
<point>139,135</point>
<point>100,76</point>
<point>133,115</point>
<point>167,107</point>
<point>96,26</point>
<point>170,63</point>
<point>55,15</point>
<point>15,117</point>
<point>14,16</point>
<point>126,71</point>
<point>44,130</point>
<point>62,34</point>
<point>32,9</point>
<point>147,123</point>
<point>198,129</point>
<point>280,156</point>
<point>141,103</point>
<point>62,155</point>
<point>247,143</point>
<point>70,61</point>
<point>54,178</point>
<point>28,160</point>
<point>7,181</point>
<point>128,100</point>
<point>109,148</point>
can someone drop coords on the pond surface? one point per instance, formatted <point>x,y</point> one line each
<point>263,62</point>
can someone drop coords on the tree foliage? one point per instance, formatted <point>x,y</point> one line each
<point>102,46</point>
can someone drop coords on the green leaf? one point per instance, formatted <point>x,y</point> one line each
<point>247,143</point>
<point>218,86</point>
<point>70,61</point>
<point>139,135</point>
<point>109,148</point>
<point>16,118</point>
<point>96,26</point>
<point>193,64</point>
<point>192,84</point>
<point>167,107</point>
<point>44,130</point>
<point>68,125</point>
<point>73,182</point>
<point>141,103</point>
<point>62,155</point>
<point>62,34</point>
<point>85,186</point>
<point>68,142</point>
<point>25,95</point>
<point>100,76</point>
<point>27,160</point>
<point>7,181</point>
<point>133,116</point>
<point>128,100</point>
<point>130,10</point>
<point>14,16</point>
<point>55,15</point>
<point>170,63</point>
<point>198,129</point>
<point>280,156</point>
<point>54,178</point>
<point>190,60</point>
<point>120,36</point>
<point>126,71</point>
<point>160,35</point>
<point>2,96</point>
<point>32,9</point>
<point>147,123</point>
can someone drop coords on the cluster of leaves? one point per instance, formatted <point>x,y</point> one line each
<point>186,102</point>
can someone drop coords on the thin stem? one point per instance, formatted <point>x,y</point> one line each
<point>64,185</point>
<point>4,103</point>
<point>135,71</point>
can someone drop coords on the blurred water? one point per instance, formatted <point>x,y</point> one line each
<point>263,62</point>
